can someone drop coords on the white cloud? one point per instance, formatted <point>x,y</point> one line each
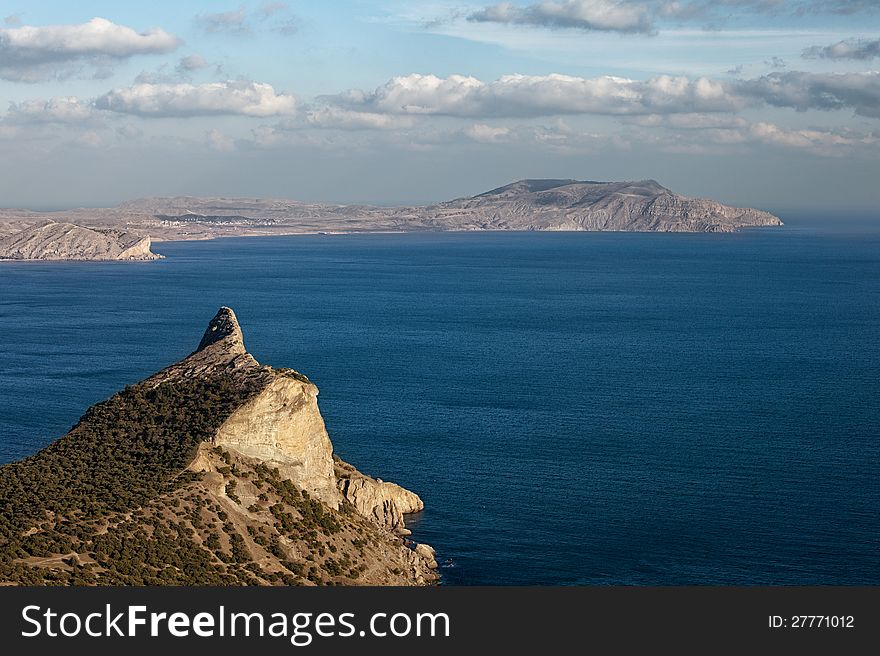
<point>483,133</point>
<point>827,142</point>
<point>240,97</point>
<point>829,91</point>
<point>690,121</point>
<point>30,53</point>
<point>66,109</point>
<point>547,95</point>
<point>555,94</point>
<point>346,119</point>
<point>701,133</point>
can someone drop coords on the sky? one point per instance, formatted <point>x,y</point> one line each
<point>764,103</point>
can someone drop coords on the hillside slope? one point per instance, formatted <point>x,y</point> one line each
<point>643,206</point>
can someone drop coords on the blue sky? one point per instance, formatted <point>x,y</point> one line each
<point>768,103</point>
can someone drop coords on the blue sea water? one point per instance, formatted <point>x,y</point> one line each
<point>573,408</point>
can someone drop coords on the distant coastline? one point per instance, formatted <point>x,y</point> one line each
<point>526,205</point>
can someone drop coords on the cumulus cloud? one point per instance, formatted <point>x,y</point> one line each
<point>241,97</point>
<point>547,95</point>
<point>29,53</point>
<point>555,94</point>
<point>604,15</point>
<point>66,109</point>
<point>862,49</point>
<point>829,91</point>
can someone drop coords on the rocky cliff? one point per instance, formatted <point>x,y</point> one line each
<point>215,470</point>
<point>65,241</point>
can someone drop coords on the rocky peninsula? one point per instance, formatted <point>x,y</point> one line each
<point>216,470</point>
<point>65,241</point>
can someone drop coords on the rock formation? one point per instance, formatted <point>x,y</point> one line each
<point>65,241</point>
<point>214,442</point>
<point>385,503</point>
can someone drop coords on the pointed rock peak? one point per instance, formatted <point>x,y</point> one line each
<point>223,328</point>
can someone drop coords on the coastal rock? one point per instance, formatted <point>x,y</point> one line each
<point>65,241</point>
<point>383,502</point>
<point>280,426</point>
<point>283,428</point>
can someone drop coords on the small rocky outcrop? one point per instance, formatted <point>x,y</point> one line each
<point>384,503</point>
<point>66,241</point>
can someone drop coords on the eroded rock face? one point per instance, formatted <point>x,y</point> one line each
<point>383,502</point>
<point>283,428</point>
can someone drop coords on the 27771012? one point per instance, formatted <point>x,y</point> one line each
<point>811,622</point>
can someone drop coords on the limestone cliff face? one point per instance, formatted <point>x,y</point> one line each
<point>282,427</point>
<point>383,502</point>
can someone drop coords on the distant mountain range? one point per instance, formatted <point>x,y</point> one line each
<point>574,205</point>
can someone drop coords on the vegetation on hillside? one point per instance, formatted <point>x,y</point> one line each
<point>123,452</point>
<point>113,503</point>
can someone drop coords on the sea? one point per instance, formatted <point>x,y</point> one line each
<point>574,408</point>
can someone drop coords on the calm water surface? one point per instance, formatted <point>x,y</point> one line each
<point>573,408</point>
